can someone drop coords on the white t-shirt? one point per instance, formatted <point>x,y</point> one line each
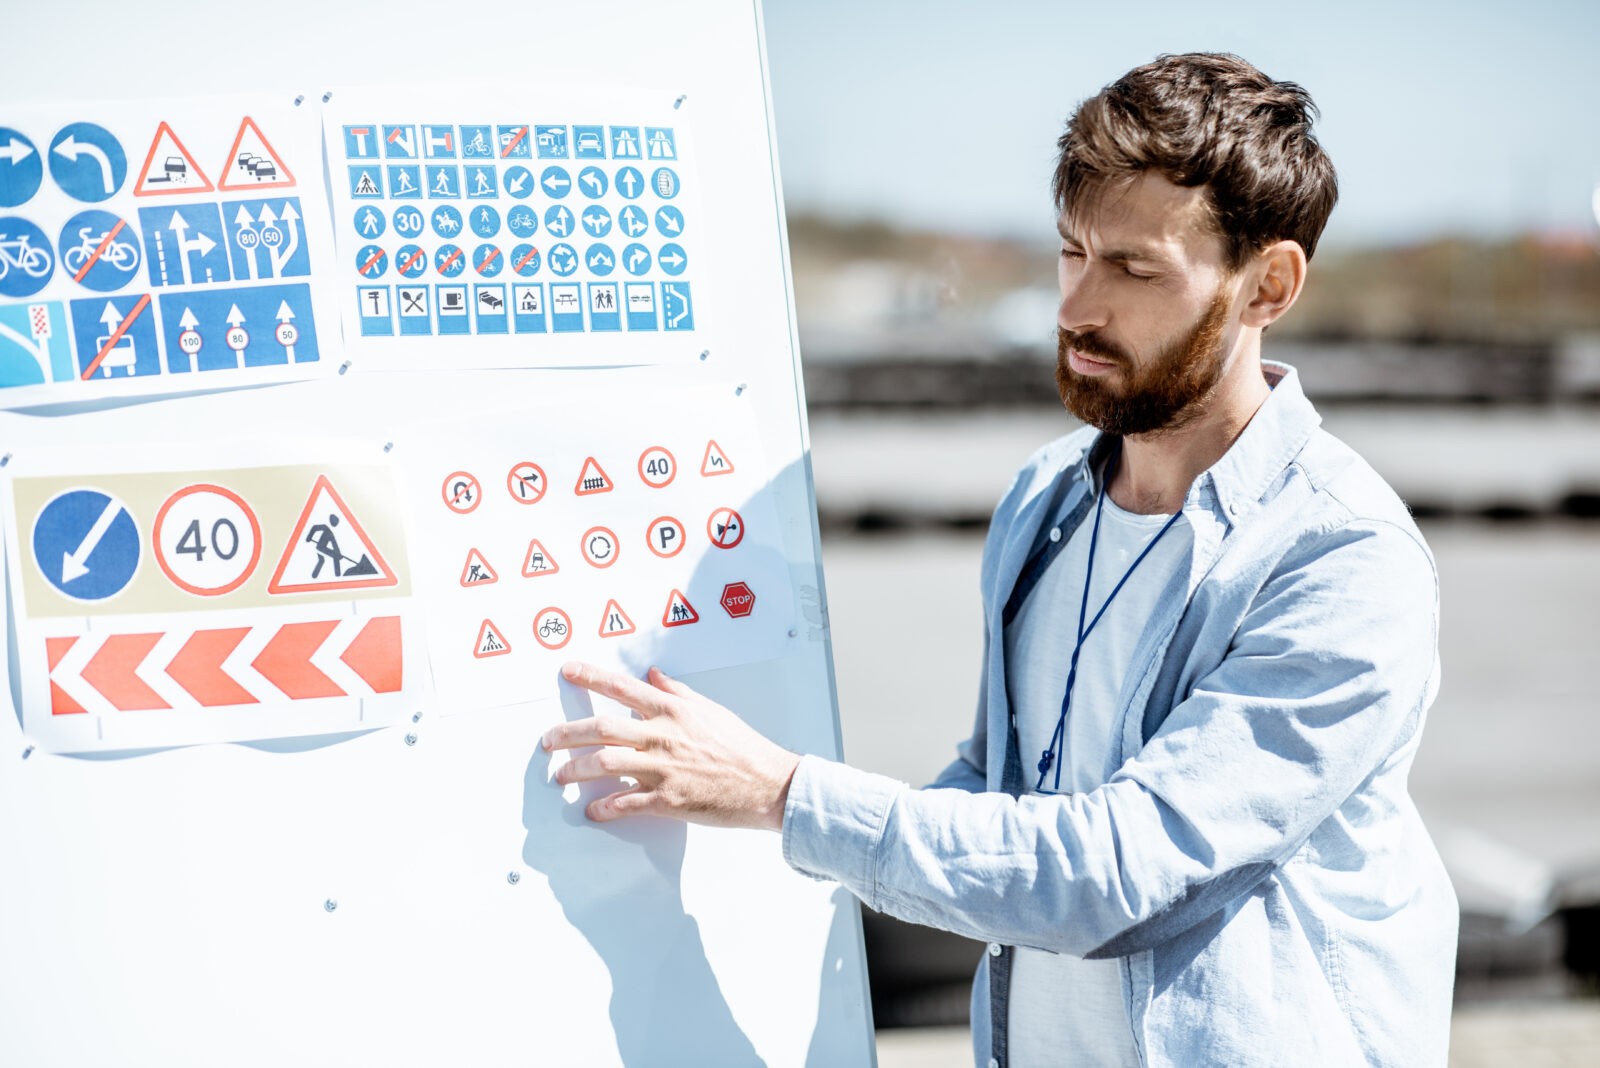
<point>1065,1010</point>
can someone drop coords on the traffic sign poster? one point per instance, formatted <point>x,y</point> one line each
<point>592,191</point>
<point>114,212</point>
<point>657,564</point>
<point>268,595</point>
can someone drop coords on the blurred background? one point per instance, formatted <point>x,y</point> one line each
<point>1450,331</point>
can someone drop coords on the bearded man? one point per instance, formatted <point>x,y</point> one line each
<point>1181,821</point>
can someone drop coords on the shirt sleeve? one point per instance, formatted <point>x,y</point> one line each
<point>1328,673</point>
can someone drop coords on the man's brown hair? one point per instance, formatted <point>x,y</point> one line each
<point>1206,119</point>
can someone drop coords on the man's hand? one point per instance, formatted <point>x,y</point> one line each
<point>690,757</point>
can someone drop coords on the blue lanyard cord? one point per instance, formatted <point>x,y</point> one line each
<point>1050,756</point>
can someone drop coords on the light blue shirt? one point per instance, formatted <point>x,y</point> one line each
<point>1255,864</point>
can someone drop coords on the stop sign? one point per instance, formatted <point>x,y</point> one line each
<point>738,600</point>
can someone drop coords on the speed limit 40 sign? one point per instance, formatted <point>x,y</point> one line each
<point>207,540</point>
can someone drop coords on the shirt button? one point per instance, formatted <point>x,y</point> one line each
<point>1055,533</point>
<point>994,949</point>
<point>994,1062</point>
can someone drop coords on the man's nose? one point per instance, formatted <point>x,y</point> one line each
<point>1083,304</point>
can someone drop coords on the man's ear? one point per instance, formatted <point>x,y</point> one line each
<point>1277,272</point>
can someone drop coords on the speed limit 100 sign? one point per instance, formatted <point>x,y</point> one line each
<point>207,540</point>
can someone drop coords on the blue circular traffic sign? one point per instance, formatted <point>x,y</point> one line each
<point>372,261</point>
<point>410,261</point>
<point>563,260</point>
<point>669,221</point>
<point>87,162</point>
<point>408,221</point>
<point>633,221</point>
<point>596,220</point>
<point>558,220</point>
<point>446,221</point>
<point>86,544</point>
<point>599,260</point>
<point>665,183</point>
<point>485,221</point>
<point>630,183</point>
<point>525,260</point>
<point>636,259</point>
<point>487,261</point>
<point>519,182</point>
<point>556,182</point>
<point>99,250</point>
<point>522,222</point>
<point>21,168</point>
<point>369,222</point>
<point>672,259</point>
<point>449,260</point>
<point>593,182</point>
<point>27,259</point>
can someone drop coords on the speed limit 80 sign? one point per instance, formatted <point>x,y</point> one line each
<point>207,540</point>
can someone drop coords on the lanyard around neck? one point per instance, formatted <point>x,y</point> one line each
<point>1052,756</point>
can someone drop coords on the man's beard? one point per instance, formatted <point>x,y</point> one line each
<point>1164,395</point>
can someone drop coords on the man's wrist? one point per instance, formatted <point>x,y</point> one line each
<point>785,764</point>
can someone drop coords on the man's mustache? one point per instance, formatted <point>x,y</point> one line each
<point>1090,344</point>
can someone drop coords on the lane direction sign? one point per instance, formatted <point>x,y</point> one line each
<point>86,544</point>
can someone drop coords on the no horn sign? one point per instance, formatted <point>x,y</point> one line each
<point>738,600</point>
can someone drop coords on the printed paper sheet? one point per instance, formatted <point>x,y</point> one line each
<point>161,246</point>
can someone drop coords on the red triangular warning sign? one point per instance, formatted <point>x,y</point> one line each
<point>615,622</point>
<point>328,549</point>
<point>490,642</point>
<point>716,461</point>
<point>252,163</point>
<point>679,612</point>
<point>169,168</point>
<point>538,561</point>
<point>476,571</point>
<point>592,479</point>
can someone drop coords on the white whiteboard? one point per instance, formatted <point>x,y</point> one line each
<point>419,894</point>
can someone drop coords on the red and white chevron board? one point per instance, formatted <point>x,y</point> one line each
<point>224,667</point>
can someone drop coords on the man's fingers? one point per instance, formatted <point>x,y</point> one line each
<point>596,730</point>
<point>629,802</point>
<point>642,698</point>
<point>607,763</point>
<point>662,681</point>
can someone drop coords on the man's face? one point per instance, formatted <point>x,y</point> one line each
<point>1144,326</point>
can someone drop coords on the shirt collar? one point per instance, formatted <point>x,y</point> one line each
<point>1241,478</point>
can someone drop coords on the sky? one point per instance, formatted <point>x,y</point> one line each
<point>1466,118</point>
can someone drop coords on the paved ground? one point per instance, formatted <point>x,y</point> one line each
<point>1548,1035</point>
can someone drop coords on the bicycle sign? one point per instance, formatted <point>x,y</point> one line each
<point>99,250</point>
<point>26,260</point>
<point>553,628</point>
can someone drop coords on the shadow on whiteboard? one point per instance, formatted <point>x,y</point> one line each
<point>618,885</point>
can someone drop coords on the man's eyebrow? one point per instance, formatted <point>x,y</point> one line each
<point>1137,253</point>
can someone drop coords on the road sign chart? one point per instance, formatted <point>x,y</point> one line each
<point>584,539</point>
<point>578,222</point>
<point>132,231</point>
<point>159,607</point>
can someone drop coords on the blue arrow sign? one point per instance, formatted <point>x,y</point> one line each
<point>596,220</point>
<point>226,329</point>
<point>266,238</point>
<point>636,259</point>
<point>559,221</point>
<point>630,183</point>
<point>86,544</point>
<point>563,260</point>
<point>188,245</point>
<point>87,162</point>
<point>21,168</point>
<point>116,336</point>
<point>593,182</point>
<point>633,220</point>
